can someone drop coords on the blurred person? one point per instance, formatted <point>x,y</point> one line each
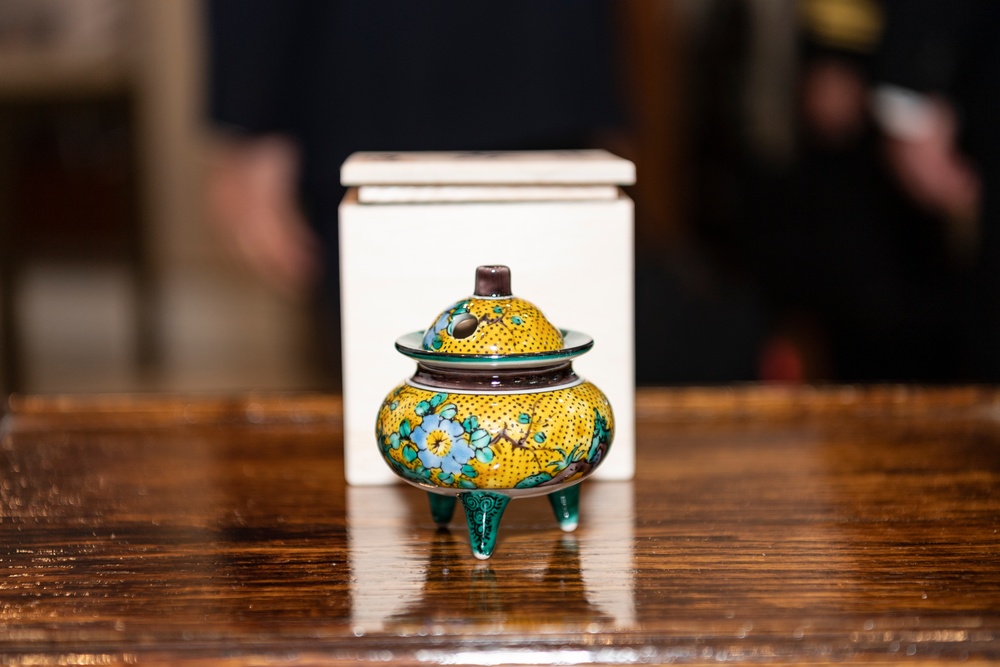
<point>938,103</point>
<point>856,276</point>
<point>298,85</point>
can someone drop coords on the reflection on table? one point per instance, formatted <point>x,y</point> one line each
<point>542,578</point>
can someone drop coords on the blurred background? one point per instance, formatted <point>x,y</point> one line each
<point>168,178</point>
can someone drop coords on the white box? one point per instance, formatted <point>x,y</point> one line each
<point>402,263</point>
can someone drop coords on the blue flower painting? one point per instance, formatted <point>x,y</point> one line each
<point>441,444</point>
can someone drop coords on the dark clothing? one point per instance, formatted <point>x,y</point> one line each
<point>837,244</point>
<point>952,49</point>
<point>348,75</point>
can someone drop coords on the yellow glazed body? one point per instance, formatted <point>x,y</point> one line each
<point>523,443</point>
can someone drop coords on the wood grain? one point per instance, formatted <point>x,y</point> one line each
<point>808,526</point>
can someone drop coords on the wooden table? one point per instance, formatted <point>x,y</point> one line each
<point>765,525</point>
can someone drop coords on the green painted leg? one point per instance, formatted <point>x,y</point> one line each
<point>442,508</point>
<point>566,505</point>
<point>483,510</point>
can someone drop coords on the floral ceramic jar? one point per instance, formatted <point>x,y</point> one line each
<point>494,411</point>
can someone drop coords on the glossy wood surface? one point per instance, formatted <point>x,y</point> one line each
<point>807,526</point>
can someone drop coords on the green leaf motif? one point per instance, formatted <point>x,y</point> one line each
<point>409,453</point>
<point>524,418</point>
<point>447,478</point>
<point>448,411</point>
<point>438,399</point>
<point>405,429</point>
<point>484,455</point>
<point>466,484</point>
<point>422,408</point>
<point>479,439</point>
<point>471,423</point>
<point>533,480</point>
<point>497,309</point>
<point>437,342</point>
<point>394,441</point>
<point>539,438</point>
<point>393,405</point>
<point>517,320</point>
<point>469,471</point>
<point>602,435</point>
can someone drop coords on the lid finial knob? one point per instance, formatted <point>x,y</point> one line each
<point>492,281</point>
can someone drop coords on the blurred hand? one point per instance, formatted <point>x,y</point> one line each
<point>251,198</point>
<point>930,168</point>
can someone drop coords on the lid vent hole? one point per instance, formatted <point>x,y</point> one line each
<point>463,326</point>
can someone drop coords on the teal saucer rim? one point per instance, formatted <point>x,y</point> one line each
<point>575,343</point>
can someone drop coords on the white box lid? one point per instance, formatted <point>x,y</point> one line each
<point>564,167</point>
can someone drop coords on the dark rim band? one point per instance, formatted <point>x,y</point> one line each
<point>495,379</point>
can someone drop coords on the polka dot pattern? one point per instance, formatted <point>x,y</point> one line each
<point>505,326</point>
<point>504,441</point>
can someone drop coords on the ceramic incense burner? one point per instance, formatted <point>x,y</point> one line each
<point>494,411</point>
